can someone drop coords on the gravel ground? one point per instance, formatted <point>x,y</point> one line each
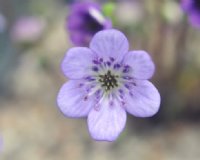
<point>34,131</point>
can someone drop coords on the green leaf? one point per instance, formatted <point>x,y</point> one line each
<point>108,9</point>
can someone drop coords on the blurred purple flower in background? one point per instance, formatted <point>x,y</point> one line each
<point>106,80</point>
<point>27,30</point>
<point>192,7</point>
<point>84,20</point>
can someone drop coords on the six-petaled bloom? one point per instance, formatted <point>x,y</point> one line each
<point>84,20</point>
<point>105,81</point>
<point>192,7</point>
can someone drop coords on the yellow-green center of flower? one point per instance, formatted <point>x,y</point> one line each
<point>108,81</point>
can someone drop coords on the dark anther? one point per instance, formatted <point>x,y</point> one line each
<point>85,98</point>
<point>117,66</point>
<point>112,59</point>
<point>126,69</point>
<point>95,68</point>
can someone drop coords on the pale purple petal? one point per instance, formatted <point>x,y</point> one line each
<point>72,99</point>
<point>77,62</point>
<point>141,64</point>
<point>143,99</point>
<point>106,121</point>
<point>110,43</point>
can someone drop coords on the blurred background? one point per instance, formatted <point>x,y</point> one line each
<point>33,41</point>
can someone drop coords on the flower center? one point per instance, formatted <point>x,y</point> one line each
<point>108,81</point>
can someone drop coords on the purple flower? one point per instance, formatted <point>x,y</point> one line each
<point>192,7</point>
<point>105,81</point>
<point>84,20</point>
<point>27,30</point>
